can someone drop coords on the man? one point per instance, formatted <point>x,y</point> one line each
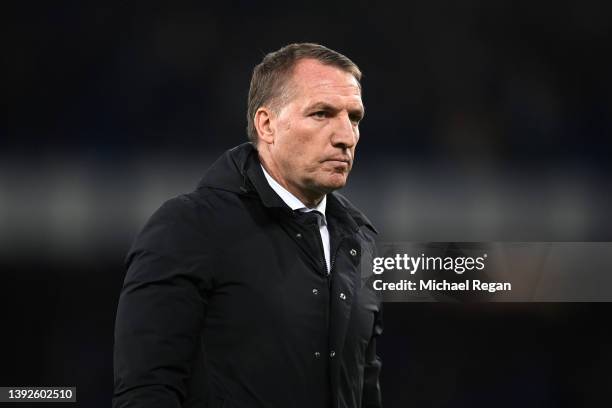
<point>248,292</point>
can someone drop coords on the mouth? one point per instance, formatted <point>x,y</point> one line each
<point>343,164</point>
<point>339,161</point>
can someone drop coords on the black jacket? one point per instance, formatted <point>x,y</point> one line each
<point>227,302</point>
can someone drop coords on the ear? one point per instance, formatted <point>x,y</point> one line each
<point>265,124</point>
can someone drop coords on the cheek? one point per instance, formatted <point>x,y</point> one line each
<point>292,150</point>
<point>299,141</point>
<point>302,142</point>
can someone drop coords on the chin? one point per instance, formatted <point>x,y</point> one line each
<point>334,183</point>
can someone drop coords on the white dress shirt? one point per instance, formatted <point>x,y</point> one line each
<point>295,204</point>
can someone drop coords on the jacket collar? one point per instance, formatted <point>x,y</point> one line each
<point>239,171</point>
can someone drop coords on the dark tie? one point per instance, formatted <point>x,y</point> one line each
<point>312,217</point>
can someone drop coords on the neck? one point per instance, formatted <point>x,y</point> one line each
<point>309,202</point>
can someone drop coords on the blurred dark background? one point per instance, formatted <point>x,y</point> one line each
<point>485,121</point>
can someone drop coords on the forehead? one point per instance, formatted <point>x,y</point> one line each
<point>313,80</point>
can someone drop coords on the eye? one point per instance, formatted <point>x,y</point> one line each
<point>355,119</point>
<point>319,114</point>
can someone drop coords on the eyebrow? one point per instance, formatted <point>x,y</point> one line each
<point>327,107</point>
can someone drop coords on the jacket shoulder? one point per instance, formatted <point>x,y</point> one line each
<point>194,206</point>
<point>177,227</point>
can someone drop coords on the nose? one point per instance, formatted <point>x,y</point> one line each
<point>345,132</point>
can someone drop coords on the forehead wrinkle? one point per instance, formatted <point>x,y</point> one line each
<point>328,83</point>
<point>326,89</point>
<point>333,103</point>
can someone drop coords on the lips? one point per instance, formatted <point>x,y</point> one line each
<point>340,164</point>
<point>343,164</point>
<point>339,159</point>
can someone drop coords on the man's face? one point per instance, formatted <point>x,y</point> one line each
<point>317,130</point>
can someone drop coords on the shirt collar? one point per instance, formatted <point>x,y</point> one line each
<point>292,201</point>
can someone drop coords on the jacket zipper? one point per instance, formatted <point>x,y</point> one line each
<point>333,259</point>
